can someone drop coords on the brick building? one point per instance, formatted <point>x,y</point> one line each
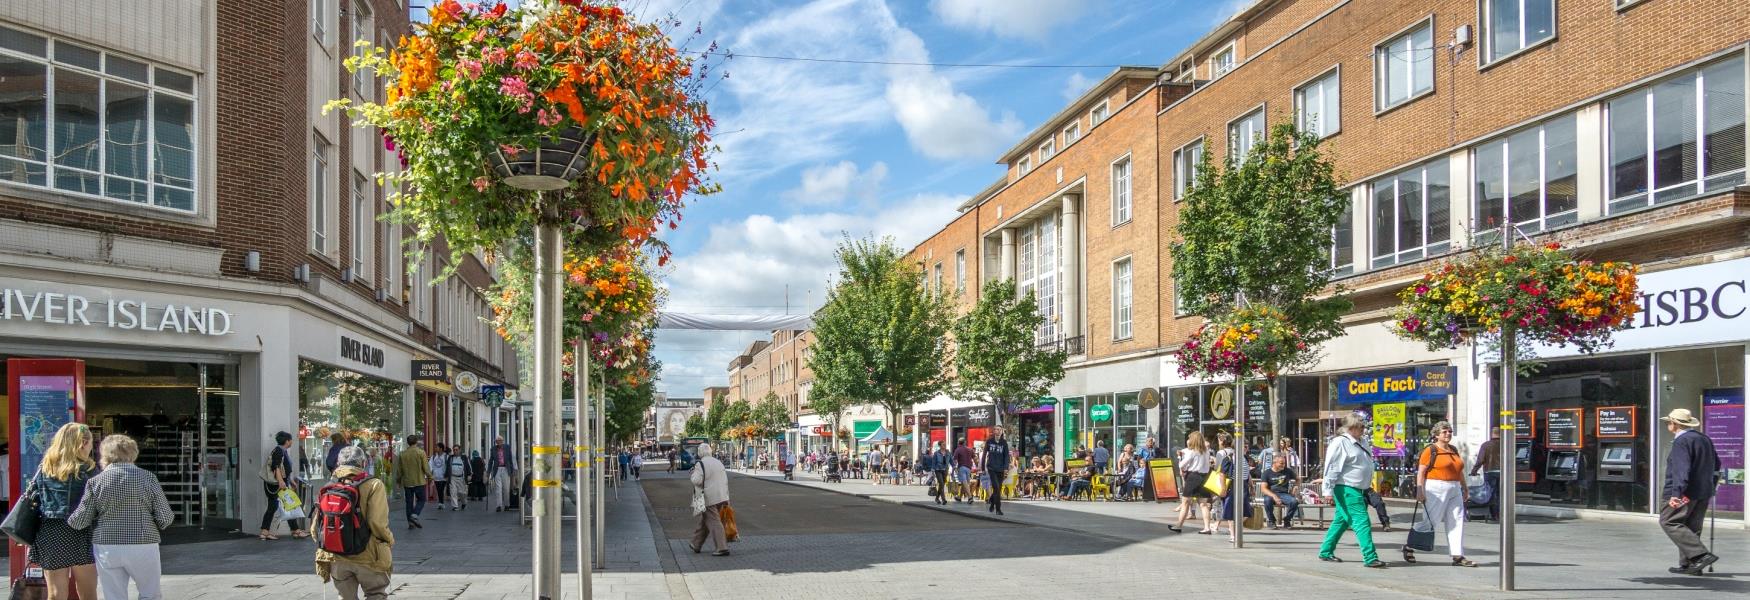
<point>1615,127</point>
<point>177,213</point>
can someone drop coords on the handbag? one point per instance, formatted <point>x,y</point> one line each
<point>727,515</point>
<point>1420,540</point>
<point>698,501</point>
<point>30,587</point>
<point>24,519</point>
<point>1216,483</point>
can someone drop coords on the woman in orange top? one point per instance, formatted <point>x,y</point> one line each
<point>1440,485</point>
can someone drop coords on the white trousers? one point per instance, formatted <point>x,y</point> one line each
<point>118,563</point>
<point>501,488</point>
<point>458,491</point>
<point>1444,504</point>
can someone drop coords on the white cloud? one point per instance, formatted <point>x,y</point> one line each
<point>939,121</point>
<point>755,265</point>
<point>1076,85</point>
<point>835,183</point>
<point>1027,19</point>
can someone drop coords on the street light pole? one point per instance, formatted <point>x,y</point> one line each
<point>1237,478</point>
<point>545,473</point>
<point>1509,445</point>
<point>580,462</point>
<point>601,483</point>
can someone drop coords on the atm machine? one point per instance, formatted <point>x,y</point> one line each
<point>1616,461</point>
<point>1522,462</point>
<point>1563,465</point>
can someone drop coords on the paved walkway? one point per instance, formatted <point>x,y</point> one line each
<point>474,554</point>
<point>1556,559</point>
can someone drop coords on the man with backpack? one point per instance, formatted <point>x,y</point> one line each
<point>351,527</point>
<point>458,470</point>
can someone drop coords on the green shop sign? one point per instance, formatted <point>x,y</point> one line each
<point>1047,401</point>
<point>1100,412</point>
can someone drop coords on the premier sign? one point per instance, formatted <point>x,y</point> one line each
<point>56,308</point>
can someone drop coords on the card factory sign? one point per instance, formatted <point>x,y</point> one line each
<point>56,308</point>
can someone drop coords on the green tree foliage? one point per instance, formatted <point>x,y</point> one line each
<point>882,335</point>
<point>828,406</point>
<point>996,358</point>
<point>695,426</point>
<point>771,414</point>
<point>1261,228</point>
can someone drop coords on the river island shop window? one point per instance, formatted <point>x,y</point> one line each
<point>366,409</point>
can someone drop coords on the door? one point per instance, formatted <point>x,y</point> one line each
<point>1311,447</point>
<point>217,450</point>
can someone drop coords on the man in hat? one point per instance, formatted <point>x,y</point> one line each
<point>1689,486</point>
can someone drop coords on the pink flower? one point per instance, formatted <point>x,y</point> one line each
<point>526,60</point>
<point>509,149</point>
<point>548,118</point>
<point>481,183</point>
<point>469,67</point>
<point>516,88</point>
<point>495,56</point>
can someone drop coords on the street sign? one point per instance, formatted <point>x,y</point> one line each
<point>1047,401</point>
<point>467,382</point>
<point>431,370</point>
<point>492,395</point>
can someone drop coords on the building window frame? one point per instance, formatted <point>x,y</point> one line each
<point>1382,82</point>
<point>322,22</point>
<point>1342,261</point>
<point>1072,132</point>
<point>1047,149</point>
<point>1399,252</point>
<point>363,30</point>
<point>1123,177</point>
<point>364,205</point>
<point>1335,76</point>
<point>1123,299</point>
<point>1240,142</point>
<point>1099,113</point>
<point>1219,67</point>
<point>321,193</point>
<point>1024,165</point>
<point>1649,193</point>
<point>1481,228</point>
<point>1187,161</point>
<point>960,270</point>
<point>1485,21</point>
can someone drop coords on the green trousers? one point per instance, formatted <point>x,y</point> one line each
<point>1351,513</point>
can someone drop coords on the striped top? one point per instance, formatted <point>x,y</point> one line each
<point>127,505</point>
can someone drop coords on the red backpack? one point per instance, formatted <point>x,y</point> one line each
<point>341,527</point>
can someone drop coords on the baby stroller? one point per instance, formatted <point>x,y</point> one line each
<point>832,470</point>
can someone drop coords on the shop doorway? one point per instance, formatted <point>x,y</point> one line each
<point>184,417</point>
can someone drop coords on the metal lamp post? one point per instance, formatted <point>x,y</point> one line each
<point>547,168</point>
<point>580,462</point>
<point>1509,446</point>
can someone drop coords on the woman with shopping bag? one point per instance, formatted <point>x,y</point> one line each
<point>710,501</point>
<point>276,481</point>
<point>1440,487</point>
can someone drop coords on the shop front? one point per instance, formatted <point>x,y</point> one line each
<point>1212,410</point>
<point>1587,428</point>
<point>972,425</point>
<point>1400,406</point>
<point>1110,404</point>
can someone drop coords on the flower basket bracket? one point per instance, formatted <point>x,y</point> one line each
<point>551,166</point>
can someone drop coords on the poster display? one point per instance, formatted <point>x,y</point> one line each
<point>1562,428</point>
<point>1388,429</point>
<point>45,403</point>
<point>1166,486</point>
<point>1524,424</point>
<point>1615,421</point>
<point>1722,419</point>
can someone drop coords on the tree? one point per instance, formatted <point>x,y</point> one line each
<point>997,359</point>
<point>882,335</point>
<point>1258,232</point>
<point>827,405</point>
<point>695,426</point>
<point>771,414</point>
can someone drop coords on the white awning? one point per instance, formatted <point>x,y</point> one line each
<point>673,320</point>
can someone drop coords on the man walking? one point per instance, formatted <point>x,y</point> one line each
<point>1102,456</point>
<point>625,463</point>
<point>937,462</point>
<point>1489,462</point>
<point>1349,471</point>
<point>710,478</point>
<point>671,459</point>
<point>412,472</point>
<point>1689,486</point>
<point>996,466</point>
<point>501,468</point>
<point>962,472</point>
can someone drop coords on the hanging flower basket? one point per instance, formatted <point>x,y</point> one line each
<point>1541,291</point>
<point>573,98</point>
<point>552,165</point>
<point>1252,340</point>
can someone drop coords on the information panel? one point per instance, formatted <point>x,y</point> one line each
<point>1722,419</point>
<point>1564,428</point>
<point>1166,486</point>
<point>1615,421</point>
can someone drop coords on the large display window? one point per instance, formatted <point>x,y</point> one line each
<point>367,410</point>
<point>1709,382</point>
<point>1581,432</point>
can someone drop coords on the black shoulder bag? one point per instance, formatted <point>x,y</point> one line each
<point>22,522</point>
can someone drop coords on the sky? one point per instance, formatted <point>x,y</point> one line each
<point>813,152</point>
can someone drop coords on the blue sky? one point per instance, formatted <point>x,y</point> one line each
<point>812,151</point>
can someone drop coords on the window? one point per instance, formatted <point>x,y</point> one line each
<point>1121,191</point>
<point>92,123</point>
<point>1515,25</point>
<point>319,21</point>
<point>393,266</point>
<point>1178,300</point>
<point>1243,134</point>
<point>321,193</point>
<point>1411,211</point>
<point>1036,271</point>
<point>960,270</point>
<point>1121,309</point>
<point>1531,174</point>
<point>1403,67</point>
<point>364,215</point>
<point>1098,115</point>
<point>938,278</point>
<point>1186,161</point>
<point>1316,106</point>
<point>1072,133</point>
<point>362,84</point>
<point>1025,164</point>
<point>1047,149</point>
<point>1222,62</point>
<point>1343,244</point>
<point>1677,138</point>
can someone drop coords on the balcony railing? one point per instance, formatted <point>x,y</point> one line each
<point>1072,346</point>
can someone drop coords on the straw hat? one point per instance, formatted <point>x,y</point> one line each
<point>1682,417</point>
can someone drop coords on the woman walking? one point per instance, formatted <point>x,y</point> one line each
<point>1237,475</point>
<point>440,482</point>
<point>712,481</point>
<point>457,470</point>
<point>60,483</point>
<point>124,508</point>
<point>1440,485</point>
<point>1194,463</point>
<point>477,477</point>
<point>276,475</point>
<point>368,570</point>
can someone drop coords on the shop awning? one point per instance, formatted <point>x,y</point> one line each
<point>880,435</point>
<point>863,428</point>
